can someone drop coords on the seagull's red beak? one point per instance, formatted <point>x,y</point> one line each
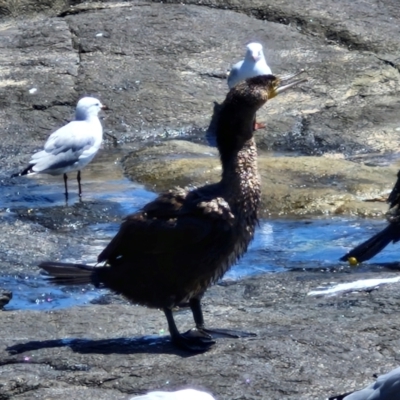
<point>104,107</point>
<point>255,56</point>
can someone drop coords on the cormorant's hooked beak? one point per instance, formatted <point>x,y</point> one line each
<point>285,82</point>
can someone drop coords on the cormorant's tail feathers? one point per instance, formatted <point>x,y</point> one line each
<point>26,171</point>
<point>69,273</point>
<point>374,245</point>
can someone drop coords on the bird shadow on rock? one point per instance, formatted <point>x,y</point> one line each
<point>136,345</point>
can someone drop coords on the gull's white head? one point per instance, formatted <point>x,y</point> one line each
<point>254,52</point>
<point>88,107</point>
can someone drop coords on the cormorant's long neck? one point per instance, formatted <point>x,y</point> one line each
<point>241,179</point>
<point>237,148</point>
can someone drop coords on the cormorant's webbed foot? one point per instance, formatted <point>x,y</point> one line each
<point>193,340</point>
<point>195,306</point>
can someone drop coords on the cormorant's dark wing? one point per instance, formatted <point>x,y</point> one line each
<point>390,234</point>
<point>176,220</point>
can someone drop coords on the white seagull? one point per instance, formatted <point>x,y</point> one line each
<point>254,64</point>
<point>186,394</point>
<point>71,147</point>
<point>386,387</point>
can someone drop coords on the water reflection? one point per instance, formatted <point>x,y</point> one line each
<point>280,244</point>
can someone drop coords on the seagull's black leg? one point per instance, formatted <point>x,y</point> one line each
<point>66,186</point>
<point>192,340</point>
<point>78,178</point>
<point>195,306</point>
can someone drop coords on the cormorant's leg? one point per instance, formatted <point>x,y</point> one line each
<point>66,186</point>
<point>78,178</point>
<point>192,340</point>
<point>195,306</point>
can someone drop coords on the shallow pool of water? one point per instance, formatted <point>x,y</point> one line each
<point>279,244</point>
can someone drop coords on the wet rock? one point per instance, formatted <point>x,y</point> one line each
<point>341,108</point>
<point>160,80</point>
<point>70,218</point>
<point>32,235</point>
<point>307,347</point>
<point>18,8</point>
<point>290,185</point>
<point>341,22</point>
<point>5,297</point>
<point>160,67</point>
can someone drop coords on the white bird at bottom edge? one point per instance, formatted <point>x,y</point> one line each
<point>386,387</point>
<point>185,394</point>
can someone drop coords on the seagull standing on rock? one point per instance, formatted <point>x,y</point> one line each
<point>254,64</point>
<point>71,147</point>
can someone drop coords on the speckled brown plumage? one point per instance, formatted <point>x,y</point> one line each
<point>172,250</point>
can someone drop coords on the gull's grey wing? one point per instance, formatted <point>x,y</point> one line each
<point>75,136</point>
<point>233,77</point>
<point>64,147</point>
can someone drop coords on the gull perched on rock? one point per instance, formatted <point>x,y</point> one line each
<point>386,387</point>
<point>186,394</point>
<point>71,147</point>
<point>254,64</point>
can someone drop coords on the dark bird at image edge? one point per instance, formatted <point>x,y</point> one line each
<point>173,249</point>
<point>379,241</point>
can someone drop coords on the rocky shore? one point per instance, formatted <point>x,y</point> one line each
<point>330,147</point>
<point>306,347</point>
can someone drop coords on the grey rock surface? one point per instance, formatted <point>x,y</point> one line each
<point>160,67</point>
<point>307,347</point>
<point>161,81</point>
